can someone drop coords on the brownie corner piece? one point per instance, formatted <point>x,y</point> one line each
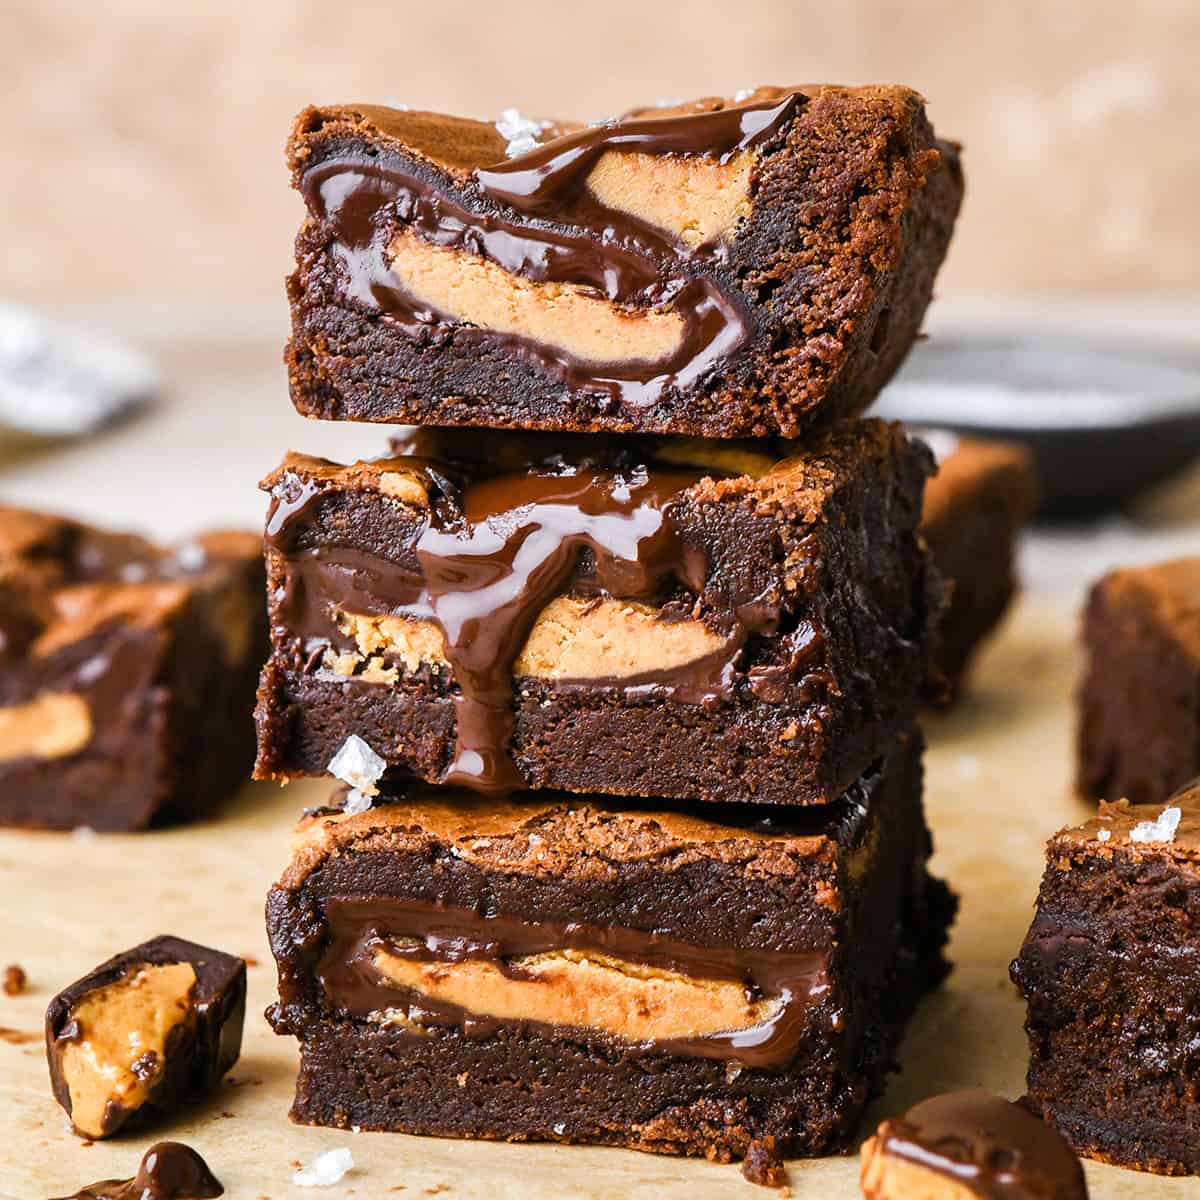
<point>721,268</point>
<point>127,672</point>
<point>1139,700</point>
<point>152,1028</point>
<point>1108,971</point>
<point>564,968</point>
<point>760,647</point>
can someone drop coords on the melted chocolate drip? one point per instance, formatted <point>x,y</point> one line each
<point>168,1171</point>
<point>366,201</point>
<point>437,933</point>
<point>489,560</point>
<point>988,1146</point>
<point>550,177</point>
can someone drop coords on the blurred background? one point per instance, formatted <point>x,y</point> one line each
<point>145,192</point>
<point>149,136</point>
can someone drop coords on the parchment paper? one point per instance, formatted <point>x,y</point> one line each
<point>998,785</point>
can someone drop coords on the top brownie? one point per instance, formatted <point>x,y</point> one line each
<point>719,268</point>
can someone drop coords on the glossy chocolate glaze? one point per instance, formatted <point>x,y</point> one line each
<point>435,933</point>
<point>168,1171</point>
<point>489,558</point>
<point>366,201</point>
<point>988,1146</point>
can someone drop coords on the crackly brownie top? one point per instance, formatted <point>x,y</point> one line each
<point>460,145</point>
<point>60,579</point>
<point>1144,831</point>
<point>1170,589</point>
<point>777,477</point>
<point>550,834</point>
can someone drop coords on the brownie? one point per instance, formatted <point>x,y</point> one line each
<point>969,1143</point>
<point>1139,701</point>
<point>718,268</point>
<point>127,673</point>
<point>548,967</point>
<point>1110,973</point>
<point>636,618</point>
<point>983,494</point>
<point>149,1030</point>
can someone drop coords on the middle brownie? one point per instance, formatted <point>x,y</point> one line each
<point>641,618</point>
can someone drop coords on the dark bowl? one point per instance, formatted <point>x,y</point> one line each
<point>1103,421</point>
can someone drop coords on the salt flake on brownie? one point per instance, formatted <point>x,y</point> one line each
<point>1160,830</point>
<point>358,765</point>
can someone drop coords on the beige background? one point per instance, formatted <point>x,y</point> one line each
<point>142,142</point>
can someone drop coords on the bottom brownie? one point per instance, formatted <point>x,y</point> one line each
<point>684,981</point>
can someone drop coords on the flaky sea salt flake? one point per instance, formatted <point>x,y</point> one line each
<point>521,133</point>
<point>191,556</point>
<point>1160,830</point>
<point>1102,835</point>
<point>358,765</point>
<point>326,1169</point>
<point>355,803</point>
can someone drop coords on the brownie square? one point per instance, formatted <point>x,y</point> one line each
<point>127,673</point>
<point>548,967</point>
<point>769,633</point>
<point>719,268</point>
<point>982,496</point>
<point>1109,971</point>
<point>1139,702</point>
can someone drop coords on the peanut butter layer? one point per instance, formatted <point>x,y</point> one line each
<point>54,725</point>
<point>120,1048</point>
<point>591,991</point>
<point>572,638</point>
<point>567,317</point>
<point>698,200</point>
<point>886,1178</point>
<point>616,639</point>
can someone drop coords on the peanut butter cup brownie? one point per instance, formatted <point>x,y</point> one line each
<point>551,967</point>
<point>127,673</point>
<point>640,618</point>
<point>720,268</point>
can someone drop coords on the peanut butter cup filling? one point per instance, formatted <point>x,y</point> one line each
<point>421,966</point>
<point>116,1041</point>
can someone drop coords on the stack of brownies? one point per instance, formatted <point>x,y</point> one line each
<point>622,684</point>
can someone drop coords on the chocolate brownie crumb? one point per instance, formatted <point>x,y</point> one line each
<point>763,1165</point>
